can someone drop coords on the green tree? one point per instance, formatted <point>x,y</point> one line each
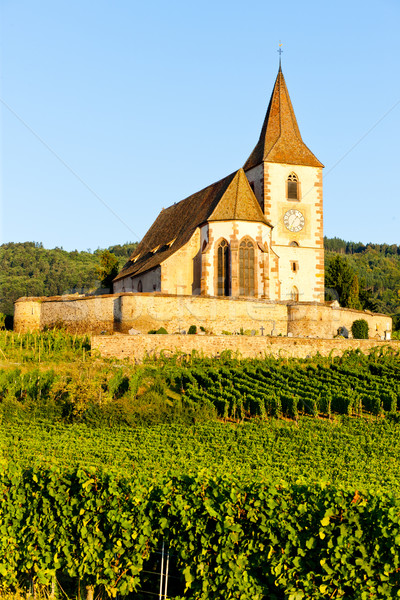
<point>353,300</point>
<point>108,269</point>
<point>341,282</point>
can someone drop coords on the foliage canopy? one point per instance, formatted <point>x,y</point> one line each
<point>28,269</point>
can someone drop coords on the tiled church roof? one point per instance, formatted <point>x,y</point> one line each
<point>238,202</point>
<point>280,139</point>
<point>229,199</point>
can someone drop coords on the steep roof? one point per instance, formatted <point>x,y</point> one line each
<point>229,199</point>
<point>280,139</point>
<point>238,203</point>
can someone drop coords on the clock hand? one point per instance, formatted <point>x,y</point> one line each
<point>296,221</point>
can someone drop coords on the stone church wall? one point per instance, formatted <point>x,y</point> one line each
<point>181,272</point>
<point>234,232</point>
<point>143,312</point>
<point>149,281</point>
<point>256,180</point>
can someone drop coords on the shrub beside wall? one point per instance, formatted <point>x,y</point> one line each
<point>359,329</point>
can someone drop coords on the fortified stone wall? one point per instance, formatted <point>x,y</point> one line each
<point>176,313</point>
<point>143,312</point>
<point>323,321</point>
<point>138,347</point>
<point>77,314</point>
<point>27,313</point>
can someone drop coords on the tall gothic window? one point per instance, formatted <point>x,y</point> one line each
<point>223,269</point>
<point>293,187</point>
<point>246,268</point>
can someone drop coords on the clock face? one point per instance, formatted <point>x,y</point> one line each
<point>294,220</point>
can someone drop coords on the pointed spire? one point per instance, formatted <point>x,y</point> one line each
<point>280,139</point>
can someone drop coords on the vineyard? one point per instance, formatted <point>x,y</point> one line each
<point>56,374</point>
<point>350,385</point>
<point>346,451</point>
<point>229,539</point>
<point>264,479</point>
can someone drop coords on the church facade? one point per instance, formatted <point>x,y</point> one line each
<point>257,233</point>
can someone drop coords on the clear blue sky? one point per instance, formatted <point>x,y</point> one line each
<point>148,102</point>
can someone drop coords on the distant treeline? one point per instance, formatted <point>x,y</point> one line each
<point>338,245</point>
<point>28,269</point>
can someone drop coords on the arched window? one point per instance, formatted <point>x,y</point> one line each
<point>223,266</point>
<point>294,294</point>
<point>246,268</point>
<point>140,286</point>
<point>294,244</point>
<point>293,187</point>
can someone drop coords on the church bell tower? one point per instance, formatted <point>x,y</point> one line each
<point>286,178</point>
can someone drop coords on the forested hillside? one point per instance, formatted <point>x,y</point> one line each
<point>377,267</point>
<point>28,269</point>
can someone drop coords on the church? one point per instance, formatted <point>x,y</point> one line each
<point>244,254</point>
<point>257,233</point>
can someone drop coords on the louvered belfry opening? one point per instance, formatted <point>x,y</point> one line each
<point>246,268</point>
<point>223,269</point>
<point>293,187</point>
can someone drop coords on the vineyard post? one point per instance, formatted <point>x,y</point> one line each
<point>164,573</point>
<point>161,572</point>
<point>90,592</point>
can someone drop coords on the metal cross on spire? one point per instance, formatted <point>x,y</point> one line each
<point>280,52</point>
